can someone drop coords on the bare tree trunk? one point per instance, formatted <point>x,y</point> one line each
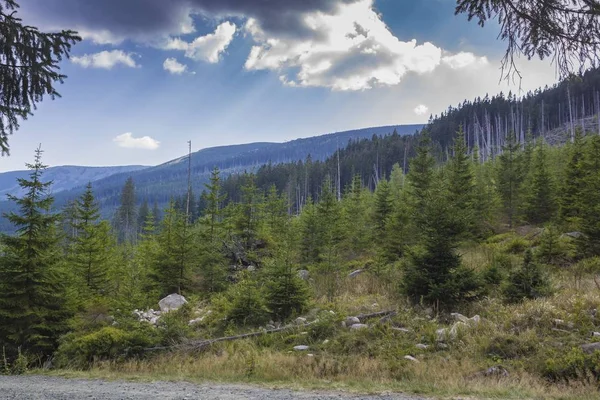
<point>571,114</point>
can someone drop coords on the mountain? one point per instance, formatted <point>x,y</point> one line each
<point>162,182</point>
<point>159,184</point>
<point>64,177</point>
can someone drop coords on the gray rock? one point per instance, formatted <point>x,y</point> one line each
<point>251,268</point>
<point>270,327</point>
<point>459,317</point>
<point>403,330</point>
<point>590,348</point>
<point>195,321</point>
<point>411,358</point>
<point>351,321</point>
<point>574,235</point>
<point>301,348</point>
<point>300,321</point>
<point>359,326</point>
<point>595,334</point>
<point>497,371</point>
<point>303,274</point>
<point>441,334</point>
<point>172,302</point>
<point>355,273</point>
<point>422,346</point>
<point>442,346</point>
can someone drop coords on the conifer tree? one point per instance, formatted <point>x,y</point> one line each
<point>175,245</point>
<point>461,185</point>
<point>29,69</point>
<point>90,250</point>
<point>589,243</point>
<point>420,175</point>
<point>510,177</point>
<point>357,222</point>
<point>309,235</point>
<point>32,305</point>
<point>126,218</point>
<point>382,209</point>
<point>539,201</point>
<point>574,182</point>
<point>434,274</point>
<point>213,269</point>
<point>142,215</point>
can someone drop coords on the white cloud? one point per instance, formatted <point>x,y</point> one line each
<point>206,48</point>
<point>421,109</point>
<point>348,49</point>
<point>128,141</point>
<point>105,59</point>
<point>174,67</point>
<point>463,60</point>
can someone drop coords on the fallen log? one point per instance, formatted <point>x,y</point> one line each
<point>201,344</point>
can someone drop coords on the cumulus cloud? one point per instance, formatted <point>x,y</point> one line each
<point>174,67</point>
<point>421,109</point>
<point>206,48</point>
<point>338,44</point>
<point>127,141</point>
<point>105,59</point>
<point>350,48</point>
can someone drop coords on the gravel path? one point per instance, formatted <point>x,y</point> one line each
<point>46,388</point>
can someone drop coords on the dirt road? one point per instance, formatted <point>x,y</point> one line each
<point>47,388</point>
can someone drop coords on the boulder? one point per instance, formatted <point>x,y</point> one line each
<point>574,235</point>
<point>172,302</point>
<point>301,348</point>
<point>497,371</point>
<point>359,326</point>
<point>303,274</point>
<point>590,348</point>
<point>354,274</point>
<point>351,321</point>
<point>422,346</point>
<point>251,268</point>
<point>300,321</point>
<point>441,334</point>
<point>411,358</point>
<point>459,317</point>
<point>195,321</point>
<point>595,334</point>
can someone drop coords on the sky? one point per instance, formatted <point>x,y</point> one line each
<point>152,74</point>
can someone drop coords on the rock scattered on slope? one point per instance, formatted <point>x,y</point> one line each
<point>172,302</point>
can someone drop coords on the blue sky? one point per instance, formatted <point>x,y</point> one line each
<point>152,74</point>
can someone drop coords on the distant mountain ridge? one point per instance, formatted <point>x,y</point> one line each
<point>160,183</point>
<point>64,177</point>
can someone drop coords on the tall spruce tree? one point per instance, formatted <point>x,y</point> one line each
<point>510,177</point>
<point>589,242</point>
<point>573,186</point>
<point>126,218</point>
<point>91,248</point>
<point>421,174</point>
<point>32,312</point>
<point>461,185</point>
<point>435,275</point>
<point>539,197</point>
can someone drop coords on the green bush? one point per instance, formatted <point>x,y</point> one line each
<point>527,282</point>
<point>286,293</point>
<point>516,245</point>
<point>510,346</point>
<point>108,343</point>
<point>174,325</point>
<point>242,305</point>
<point>572,366</point>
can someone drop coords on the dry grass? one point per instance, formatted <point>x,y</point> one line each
<point>436,376</point>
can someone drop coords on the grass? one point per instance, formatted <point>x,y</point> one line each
<point>520,337</point>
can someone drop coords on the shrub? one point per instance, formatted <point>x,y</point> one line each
<point>527,282</point>
<point>516,245</point>
<point>243,305</point>
<point>286,293</point>
<point>574,365</point>
<point>108,343</point>
<point>174,325</point>
<point>510,346</point>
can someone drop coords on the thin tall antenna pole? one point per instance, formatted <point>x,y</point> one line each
<point>189,191</point>
<point>339,178</point>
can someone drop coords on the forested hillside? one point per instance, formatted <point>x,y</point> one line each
<point>63,178</point>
